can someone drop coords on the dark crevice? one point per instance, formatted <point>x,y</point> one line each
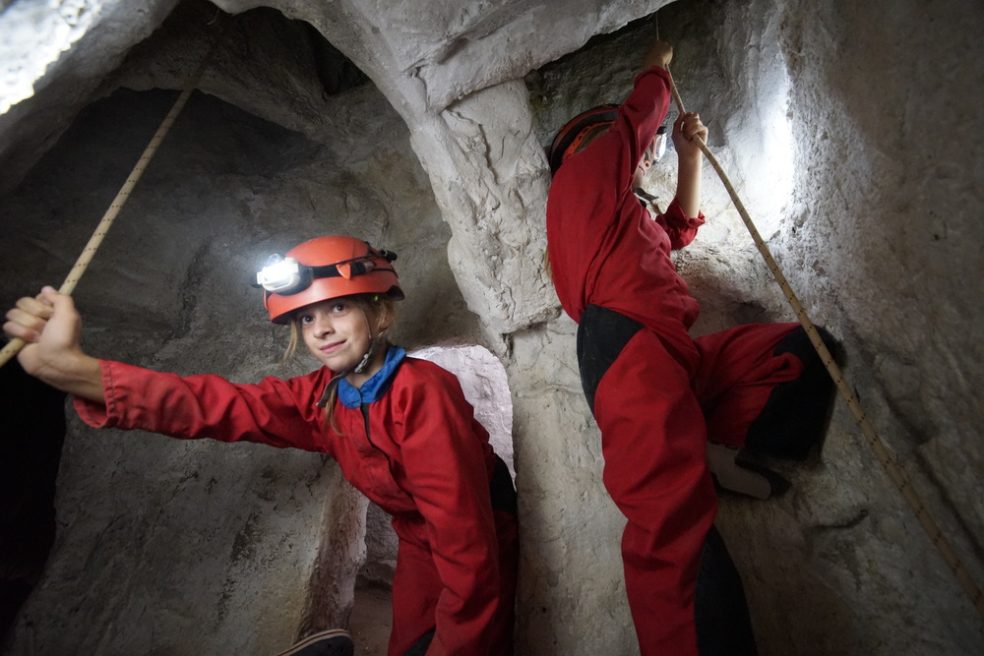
<point>32,429</point>
<point>848,523</point>
<point>253,39</point>
<point>952,507</point>
<point>197,272</point>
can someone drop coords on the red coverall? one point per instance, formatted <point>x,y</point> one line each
<point>418,453</point>
<point>662,394</point>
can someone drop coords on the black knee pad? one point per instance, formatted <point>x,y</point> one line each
<point>795,418</point>
<point>601,336</point>
<point>724,627</point>
<point>798,343</point>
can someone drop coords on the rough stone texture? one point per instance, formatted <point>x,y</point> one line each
<point>883,236</point>
<point>55,54</point>
<point>831,554</point>
<point>498,237</point>
<point>571,597</point>
<point>852,131</point>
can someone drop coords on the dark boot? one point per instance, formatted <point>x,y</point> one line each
<point>419,648</point>
<point>331,642</point>
<point>795,418</point>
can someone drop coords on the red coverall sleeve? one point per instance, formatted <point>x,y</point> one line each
<point>275,412</point>
<point>635,127</point>
<point>678,226</point>
<point>445,465</point>
<point>609,162</point>
<point>588,191</point>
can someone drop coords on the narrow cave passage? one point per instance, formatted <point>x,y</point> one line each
<point>431,146</point>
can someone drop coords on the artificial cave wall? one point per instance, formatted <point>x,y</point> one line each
<point>851,130</point>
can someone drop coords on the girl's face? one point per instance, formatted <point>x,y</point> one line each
<point>336,332</point>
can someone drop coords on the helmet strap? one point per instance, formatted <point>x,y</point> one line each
<point>367,356</point>
<point>364,362</point>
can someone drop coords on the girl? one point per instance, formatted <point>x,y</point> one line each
<point>660,396</point>
<point>399,428</point>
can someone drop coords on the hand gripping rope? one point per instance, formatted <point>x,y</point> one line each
<point>82,263</point>
<point>892,467</point>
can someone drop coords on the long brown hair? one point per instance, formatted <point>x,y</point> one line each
<point>380,312</point>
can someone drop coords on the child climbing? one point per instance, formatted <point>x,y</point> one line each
<point>399,428</point>
<point>658,395</point>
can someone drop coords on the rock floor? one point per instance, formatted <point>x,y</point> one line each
<point>371,620</point>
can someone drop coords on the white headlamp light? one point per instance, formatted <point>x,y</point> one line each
<point>279,274</point>
<point>659,149</point>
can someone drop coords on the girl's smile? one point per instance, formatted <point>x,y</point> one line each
<point>336,332</point>
<point>330,348</point>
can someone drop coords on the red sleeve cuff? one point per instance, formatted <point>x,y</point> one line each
<point>659,71</point>
<point>675,217</point>
<point>93,413</point>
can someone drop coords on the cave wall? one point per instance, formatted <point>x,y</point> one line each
<point>852,134</point>
<point>883,238</point>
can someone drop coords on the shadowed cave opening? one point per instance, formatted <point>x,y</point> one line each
<point>818,114</point>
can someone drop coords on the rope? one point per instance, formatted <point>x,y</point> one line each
<point>85,258</point>
<point>888,461</point>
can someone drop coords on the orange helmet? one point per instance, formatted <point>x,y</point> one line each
<point>569,137</point>
<point>324,268</point>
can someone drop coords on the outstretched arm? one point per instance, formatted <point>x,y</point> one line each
<point>52,327</point>
<point>688,132</point>
<point>273,411</point>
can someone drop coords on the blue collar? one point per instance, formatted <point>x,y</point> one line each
<point>375,387</point>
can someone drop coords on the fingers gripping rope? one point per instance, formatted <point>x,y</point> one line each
<point>82,263</point>
<point>892,467</point>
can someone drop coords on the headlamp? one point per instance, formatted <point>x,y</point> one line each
<point>659,148</point>
<point>286,276</point>
<point>283,275</point>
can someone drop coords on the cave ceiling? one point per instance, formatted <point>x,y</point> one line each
<point>280,60</point>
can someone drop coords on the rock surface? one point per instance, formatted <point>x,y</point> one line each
<point>852,132</point>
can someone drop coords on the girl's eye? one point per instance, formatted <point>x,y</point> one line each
<point>339,308</point>
<point>306,318</point>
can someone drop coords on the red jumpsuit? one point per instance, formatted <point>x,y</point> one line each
<point>657,394</point>
<point>416,451</point>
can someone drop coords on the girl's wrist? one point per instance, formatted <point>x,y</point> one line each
<point>690,162</point>
<point>75,373</point>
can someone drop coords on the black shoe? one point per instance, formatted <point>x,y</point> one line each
<point>419,648</point>
<point>779,484</point>
<point>330,642</point>
<point>794,421</point>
